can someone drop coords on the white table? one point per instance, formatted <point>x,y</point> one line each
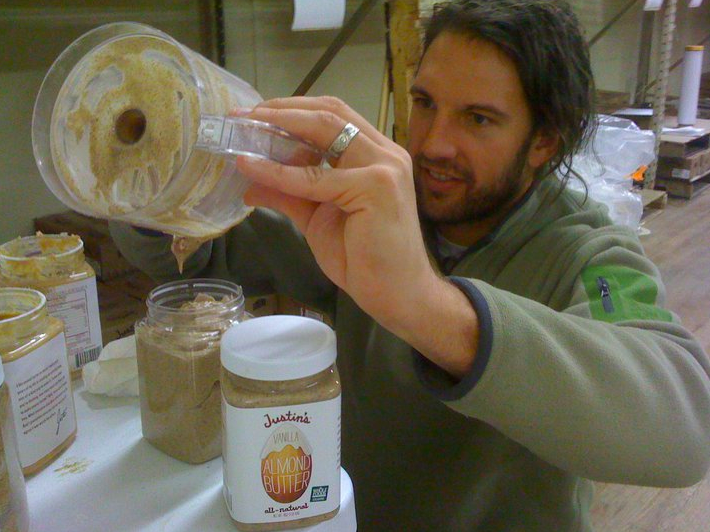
<point>112,480</point>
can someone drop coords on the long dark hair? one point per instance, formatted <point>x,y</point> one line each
<point>544,40</point>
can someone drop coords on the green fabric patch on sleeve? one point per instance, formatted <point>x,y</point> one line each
<point>618,293</point>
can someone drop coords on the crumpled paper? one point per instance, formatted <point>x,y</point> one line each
<point>115,372</point>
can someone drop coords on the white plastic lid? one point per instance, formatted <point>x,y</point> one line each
<point>278,348</point>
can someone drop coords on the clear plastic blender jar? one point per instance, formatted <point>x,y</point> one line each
<point>130,125</point>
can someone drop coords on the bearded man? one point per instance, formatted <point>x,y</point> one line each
<point>500,342</point>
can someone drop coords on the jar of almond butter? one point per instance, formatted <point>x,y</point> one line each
<point>281,417</point>
<point>34,358</point>
<point>55,265</point>
<point>177,344</point>
<point>14,515</point>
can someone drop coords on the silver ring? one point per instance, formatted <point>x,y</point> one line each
<point>342,141</point>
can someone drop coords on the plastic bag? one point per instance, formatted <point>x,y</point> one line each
<point>115,372</point>
<point>625,206</point>
<point>617,150</point>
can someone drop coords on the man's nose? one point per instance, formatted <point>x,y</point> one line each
<point>440,140</point>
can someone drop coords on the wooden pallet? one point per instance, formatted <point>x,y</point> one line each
<point>684,188</point>
<point>653,199</point>
<point>681,146</point>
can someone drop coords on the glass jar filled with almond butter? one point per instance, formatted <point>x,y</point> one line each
<point>55,265</point>
<point>281,416</point>
<point>177,344</point>
<point>34,358</point>
<point>14,514</point>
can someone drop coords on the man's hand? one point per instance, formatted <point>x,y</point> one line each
<point>360,220</point>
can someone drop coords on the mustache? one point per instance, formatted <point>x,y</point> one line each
<point>444,166</point>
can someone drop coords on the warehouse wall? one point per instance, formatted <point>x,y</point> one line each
<point>615,55</point>
<point>260,48</point>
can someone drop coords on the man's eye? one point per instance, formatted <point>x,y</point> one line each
<point>424,103</point>
<point>479,119</point>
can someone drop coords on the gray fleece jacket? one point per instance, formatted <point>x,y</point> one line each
<point>580,372</point>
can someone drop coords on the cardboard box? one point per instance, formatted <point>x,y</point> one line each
<point>261,305</point>
<point>288,305</point>
<point>694,165</point>
<point>122,304</point>
<point>119,311</point>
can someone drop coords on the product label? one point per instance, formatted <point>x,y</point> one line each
<point>42,405</point>
<point>281,463</point>
<point>77,305</point>
<point>680,173</point>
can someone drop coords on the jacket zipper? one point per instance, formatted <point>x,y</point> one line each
<point>605,292</point>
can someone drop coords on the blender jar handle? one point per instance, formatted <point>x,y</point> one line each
<point>243,136</point>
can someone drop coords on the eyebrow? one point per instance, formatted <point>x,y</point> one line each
<point>474,107</point>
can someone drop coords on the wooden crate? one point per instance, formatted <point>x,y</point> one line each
<point>641,116</point>
<point>261,305</point>
<point>704,86</point>
<point>99,249</point>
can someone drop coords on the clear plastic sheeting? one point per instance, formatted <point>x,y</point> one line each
<point>617,150</point>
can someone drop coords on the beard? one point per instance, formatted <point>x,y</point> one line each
<point>479,202</point>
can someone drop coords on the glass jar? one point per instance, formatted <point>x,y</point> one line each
<point>55,265</point>
<point>281,416</point>
<point>14,515</point>
<point>34,358</point>
<point>177,345</point>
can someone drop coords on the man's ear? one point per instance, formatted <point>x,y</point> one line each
<point>542,148</point>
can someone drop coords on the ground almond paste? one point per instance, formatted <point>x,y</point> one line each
<point>178,376</point>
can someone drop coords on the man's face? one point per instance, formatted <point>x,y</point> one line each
<point>470,132</point>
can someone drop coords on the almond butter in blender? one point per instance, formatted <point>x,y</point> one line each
<point>121,126</point>
<point>123,131</point>
<point>183,247</point>
<point>140,126</point>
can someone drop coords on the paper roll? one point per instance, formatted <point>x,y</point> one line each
<point>690,85</point>
<point>317,14</point>
<point>653,5</point>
